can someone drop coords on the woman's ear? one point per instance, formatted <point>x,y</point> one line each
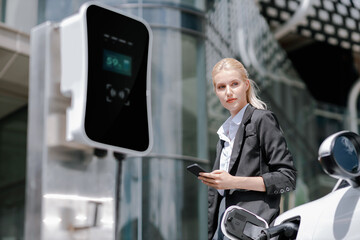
<point>247,82</point>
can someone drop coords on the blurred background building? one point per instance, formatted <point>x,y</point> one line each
<point>304,55</point>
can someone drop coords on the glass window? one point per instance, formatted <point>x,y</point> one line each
<point>173,204</point>
<point>13,136</point>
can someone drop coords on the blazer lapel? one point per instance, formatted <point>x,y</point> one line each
<point>239,138</point>
<point>219,148</point>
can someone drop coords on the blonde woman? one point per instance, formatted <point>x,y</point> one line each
<point>253,165</point>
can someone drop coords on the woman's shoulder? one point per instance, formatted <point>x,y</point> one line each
<point>260,115</point>
<point>265,117</point>
<point>262,112</point>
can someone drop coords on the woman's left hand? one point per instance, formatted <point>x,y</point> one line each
<point>218,179</point>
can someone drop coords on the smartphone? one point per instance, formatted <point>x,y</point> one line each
<point>195,169</point>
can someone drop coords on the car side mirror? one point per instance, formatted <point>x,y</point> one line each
<point>339,156</point>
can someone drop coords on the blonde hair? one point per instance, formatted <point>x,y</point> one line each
<point>233,64</point>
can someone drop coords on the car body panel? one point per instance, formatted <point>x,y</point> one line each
<point>334,216</point>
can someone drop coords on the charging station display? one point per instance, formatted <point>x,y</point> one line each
<point>117,63</point>
<point>116,106</point>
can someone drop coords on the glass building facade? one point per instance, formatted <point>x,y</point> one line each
<point>159,198</point>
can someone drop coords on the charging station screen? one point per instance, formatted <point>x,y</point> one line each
<point>116,107</point>
<point>116,62</point>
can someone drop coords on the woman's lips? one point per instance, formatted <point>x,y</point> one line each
<point>231,100</point>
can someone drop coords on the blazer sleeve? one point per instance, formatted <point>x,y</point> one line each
<point>280,174</point>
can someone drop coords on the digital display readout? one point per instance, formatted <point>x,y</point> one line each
<point>116,62</point>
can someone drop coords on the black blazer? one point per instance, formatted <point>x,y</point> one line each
<point>259,149</point>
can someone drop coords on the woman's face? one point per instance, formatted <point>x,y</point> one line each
<point>231,90</point>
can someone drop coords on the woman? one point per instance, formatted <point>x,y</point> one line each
<point>253,165</point>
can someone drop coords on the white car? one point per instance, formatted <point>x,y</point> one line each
<point>334,216</point>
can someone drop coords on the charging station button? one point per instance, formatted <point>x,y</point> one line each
<point>113,94</point>
<point>123,94</point>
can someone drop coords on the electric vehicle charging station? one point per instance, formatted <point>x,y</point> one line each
<point>89,90</point>
<point>105,70</point>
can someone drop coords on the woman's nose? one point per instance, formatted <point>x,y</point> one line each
<point>228,90</point>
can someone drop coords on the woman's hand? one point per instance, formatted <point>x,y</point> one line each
<point>218,179</point>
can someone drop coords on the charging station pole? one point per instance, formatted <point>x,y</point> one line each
<point>68,187</point>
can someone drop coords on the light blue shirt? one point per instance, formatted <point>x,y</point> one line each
<point>227,133</point>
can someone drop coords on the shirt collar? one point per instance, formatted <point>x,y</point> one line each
<point>239,116</point>
<point>223,131</point>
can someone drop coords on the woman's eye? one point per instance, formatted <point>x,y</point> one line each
<point>221,87</point>
<point>235,84</point>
